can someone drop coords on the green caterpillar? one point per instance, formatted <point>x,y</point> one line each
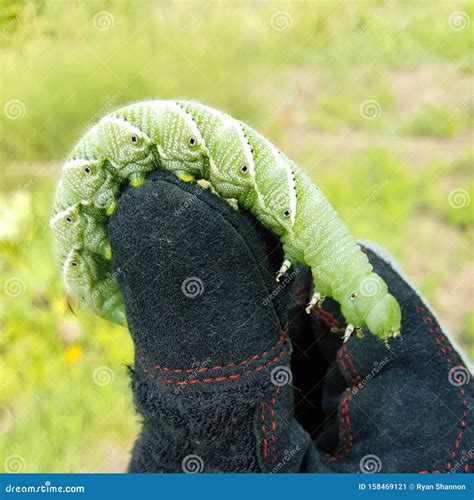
<point>197,142</point>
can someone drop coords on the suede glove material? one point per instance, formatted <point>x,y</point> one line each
<point>230,374</point>
<point>209,329</point>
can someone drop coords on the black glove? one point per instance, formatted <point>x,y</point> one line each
<point>209,332</point>
<point>403,409</point>
<point>212,375</point>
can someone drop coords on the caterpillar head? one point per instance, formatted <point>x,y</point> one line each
<point>384,319</point>
<point>180,144</point>
<point>123,144</point>
<point>232,169</point>
<point>360,299</point>
<point>68,228</point>
<point>81,179</point>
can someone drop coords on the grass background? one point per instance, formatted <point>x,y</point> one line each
<point>373,99</point>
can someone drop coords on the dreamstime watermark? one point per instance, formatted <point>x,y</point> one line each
<point>105,109</point>
<point>281,21</point>
<point>459,21</point>
<point>14,109</point>
<point>196,16</point>
<point>6,383</point>
<point>461,285</point>
<point>192,373</point>
<point>105,462</point>
<point>283,282</point>
<point>105,283</point>
<point>465,102</point>
<point>370,109</point>
<point>14,464</point>
<point>103,21</point>
<point>192,287</point>
<point>459,198</point>
<point>284,105</point>
<point>459,376</point>
<point>14,287</point>
<point>378,365</point>
<point>281,376</point>
<point>370,464</point>
<point>21,14</point>
<point>287,456</point>
<point>185,206</point>
<point>362,29</point>
<point>465,457</point>
<point>47,487</point>
<point>192,464</point>
<point>103,375</point>
<point>26,186</point>
<point>375,193</point>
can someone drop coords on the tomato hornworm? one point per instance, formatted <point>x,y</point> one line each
<point>196,142</point>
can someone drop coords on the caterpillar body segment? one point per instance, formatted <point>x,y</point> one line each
<point>86,182</point>
<point>196,142</point>
<point>89,280</point>
<point>81,226</point>
<point>231,167</point>
<point>173,133</point>
<point>126,148</point>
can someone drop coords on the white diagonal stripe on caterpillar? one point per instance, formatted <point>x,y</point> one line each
<point>191,124</point>
<point>56,217</point>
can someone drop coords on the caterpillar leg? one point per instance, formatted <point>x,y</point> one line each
<point>110,209</point>
<point>284,267</point>
<point>393,334</point>
<point>347,334</point>
<point>316,299</point>
<point>105,249</point>
<point>184,176</point>
<point>137,179</point>
<point>206,185</point>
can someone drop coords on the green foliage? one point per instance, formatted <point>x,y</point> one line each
<point>390,176</point>
<point>433,120</point>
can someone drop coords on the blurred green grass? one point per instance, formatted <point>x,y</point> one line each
<point>373,99</point>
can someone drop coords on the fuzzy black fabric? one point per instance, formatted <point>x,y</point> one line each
<point>219,384</point>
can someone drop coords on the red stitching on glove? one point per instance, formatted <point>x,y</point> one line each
<point>325,316</point>
<point>274,425</point>
<point>345,420</point>
<point>281,340</point>
<point>265,444</point>
<point>220,379</point>
<point>443,344</point>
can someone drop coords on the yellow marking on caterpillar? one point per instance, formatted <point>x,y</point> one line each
<point>186,177</point>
